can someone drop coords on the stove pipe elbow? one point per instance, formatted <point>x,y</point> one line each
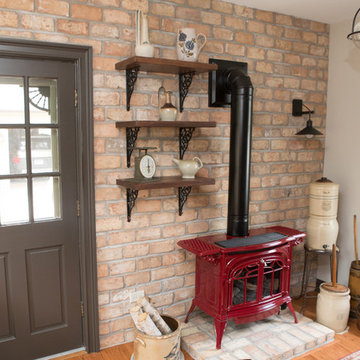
<point>241,89</point>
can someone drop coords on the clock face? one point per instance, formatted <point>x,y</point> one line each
<point>147,166</point>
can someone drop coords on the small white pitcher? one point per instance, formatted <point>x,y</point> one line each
<point>189,44</point>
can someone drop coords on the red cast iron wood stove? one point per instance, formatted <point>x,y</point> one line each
<point>240,275</point>
<point>244,283</point>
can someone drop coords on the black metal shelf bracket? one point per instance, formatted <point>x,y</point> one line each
<point>185,80</point>
<point>185,135</point>
<point>131,76</point>
<point>131,136</point>
<point>183,195</point>
<point>131,196</point>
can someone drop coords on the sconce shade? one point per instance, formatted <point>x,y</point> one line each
<point>355,30</point>
<point>309,130</point>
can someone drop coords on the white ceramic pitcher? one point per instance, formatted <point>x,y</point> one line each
<point>189,168</point>
<point>188,44</point>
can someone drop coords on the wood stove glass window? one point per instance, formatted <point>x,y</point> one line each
<point>245,282</point>
<point>271,282</point>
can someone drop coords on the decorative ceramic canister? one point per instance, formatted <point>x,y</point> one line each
<point>322,227</point>
<point>143,46</point>
<point>333,308</point>
<point>167,110</point>
<point>188,44</point>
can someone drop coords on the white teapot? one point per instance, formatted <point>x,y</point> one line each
<point>189,168</point>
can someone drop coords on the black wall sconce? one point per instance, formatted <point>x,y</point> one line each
<point>355,30</point>
<point>297,110</point>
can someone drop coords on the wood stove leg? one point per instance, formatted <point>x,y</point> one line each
<point>192,307</point>
<point>220,328</point>
<point>289,304</point>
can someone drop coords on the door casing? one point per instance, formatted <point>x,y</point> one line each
<point>81,56</point>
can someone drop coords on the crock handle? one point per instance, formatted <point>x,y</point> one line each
<point>141,341</point>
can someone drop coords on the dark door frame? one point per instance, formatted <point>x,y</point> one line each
<point>81,56</point>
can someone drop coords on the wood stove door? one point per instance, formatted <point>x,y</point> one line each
<point>257,279</point>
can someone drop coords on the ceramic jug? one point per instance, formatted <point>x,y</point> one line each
<point>188,44</point>
<point>143,46</point>
<point>189,168</point>
<point>167,111</point>
<point>322,227</point>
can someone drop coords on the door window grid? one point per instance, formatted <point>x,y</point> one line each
<point>35,162</point>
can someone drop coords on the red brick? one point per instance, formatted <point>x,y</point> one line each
<point>235,49</point>
<point>35,22</point>
<point>8,19</point>
<point>54,7</point>
<point>188,14</point>
<point>255,26</point>
<point>222,6</point>
<point>102,30</point>
<point>163,9</point>
<point>107,2</point>
<point>117,17</point>
<point>18,4</point>
<point>210,18</point>
<point>234,22</point>
<point>79,11</point>
<point>265,16</point>
<point>135,5</point>
<point>149,263</point>
<point>72,27</point>
<point>117,49</point>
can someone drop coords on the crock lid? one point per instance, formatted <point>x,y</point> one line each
<point>338,288</point>
<point>323,180</point>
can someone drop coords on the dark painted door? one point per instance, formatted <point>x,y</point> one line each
<point>39,251</point>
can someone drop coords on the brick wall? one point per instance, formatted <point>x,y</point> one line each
<point>287,58</point>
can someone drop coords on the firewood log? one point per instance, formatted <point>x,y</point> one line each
<point>147,325</point>
<point>155,316</point>
<point>135,312</point>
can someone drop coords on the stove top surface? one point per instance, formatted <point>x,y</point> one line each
<point>251,240</point>
<point>217,243</point>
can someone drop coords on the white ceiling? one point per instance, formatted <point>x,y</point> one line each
<point>327,11</point>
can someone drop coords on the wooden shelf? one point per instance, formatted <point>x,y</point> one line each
<point>164,66</point>
<point>185,70</point>
<point>186,130</point>
<point>184,188</point>
<point>163,182</point>
<point>159,123</point>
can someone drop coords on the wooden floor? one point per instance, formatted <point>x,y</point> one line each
<point>342,345</point>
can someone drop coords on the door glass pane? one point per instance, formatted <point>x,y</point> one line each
<point>12,151</point>
<point>14,207</point>
<point>46,197</point>
<point>43,101</point>
<point>11,100</point>
<point>44,150</point>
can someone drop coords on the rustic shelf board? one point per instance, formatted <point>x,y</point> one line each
<point>159,123</point>
<point>185,69</point>
<point>163,182</point>
<point>164,65</point>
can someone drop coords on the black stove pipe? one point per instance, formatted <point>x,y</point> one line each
<point>240,87</point>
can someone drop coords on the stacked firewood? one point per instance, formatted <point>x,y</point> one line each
<point>148,320</point>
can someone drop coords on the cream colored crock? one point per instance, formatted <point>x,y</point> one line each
<point>333,308</point>
<point>322,227</point>
<point>165,347</point>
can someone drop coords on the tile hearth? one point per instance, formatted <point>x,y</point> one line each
<point>276,337</point>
